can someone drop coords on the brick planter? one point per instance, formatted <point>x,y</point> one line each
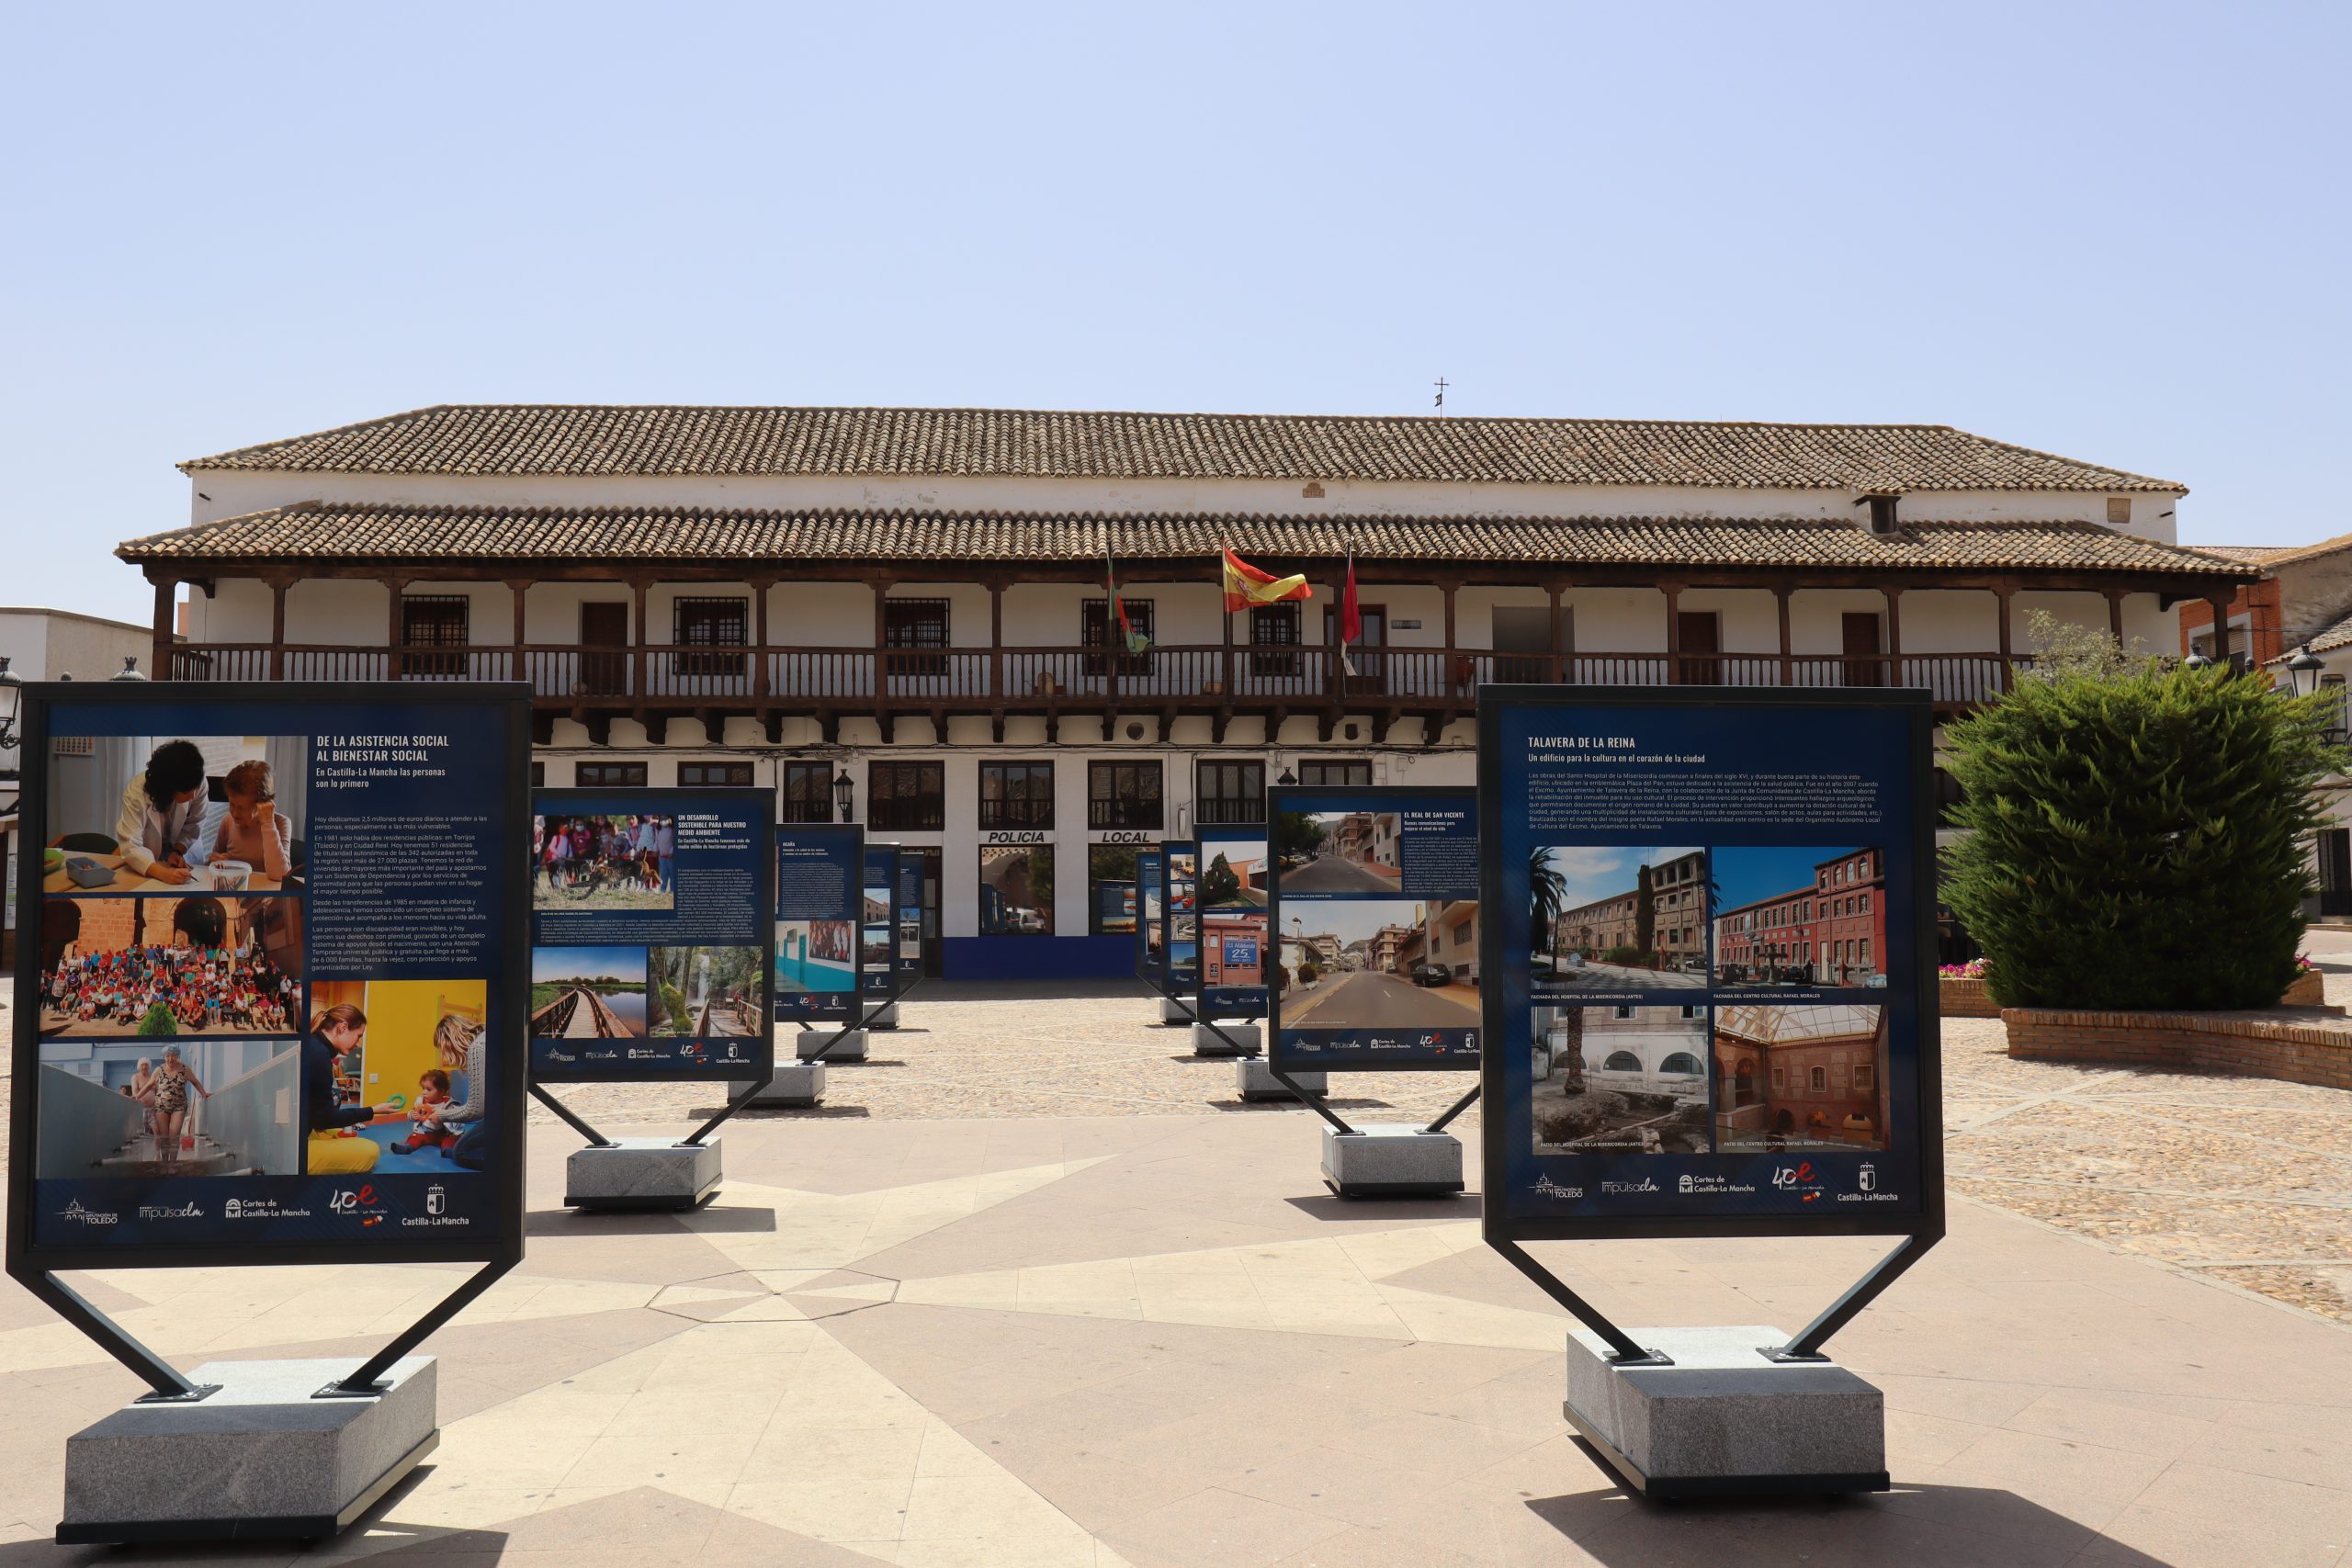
<point>1962,998</point>
<point>2294,1047</point>
<point>2306,990</point>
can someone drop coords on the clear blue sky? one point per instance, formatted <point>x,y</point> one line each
<point>1743,875</point>
<point>2115,232</point>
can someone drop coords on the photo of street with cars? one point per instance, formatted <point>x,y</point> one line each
<point>1618,919</point>
<point>1346,852</point>
<point>1389,963</point>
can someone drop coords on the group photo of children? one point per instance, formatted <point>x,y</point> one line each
<point>604,861</point>
<point>164,966</point>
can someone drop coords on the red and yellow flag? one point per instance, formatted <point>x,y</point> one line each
<point>1245,585</point>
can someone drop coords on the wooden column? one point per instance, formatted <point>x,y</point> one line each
<point>519,665</point>
<point>881,633</point>
<point>1453,659</point>
<point>166,601</point>
<point>1225,618</point>
<point>277,586</point>
<point>637,639</point>
<point>761,588</point>
<point>2221,630</point>
<point>1552,591</point>
<point>1673,591</point>
<point>2009,660</point>
<point>1894,635</point>
<point>395,589</point>
<point>2115,615</point>
<point>1788,646</point>
<point>996,639</point>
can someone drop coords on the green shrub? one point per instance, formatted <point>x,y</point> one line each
<point>674,1001</point>
<point>158,1023</point>
<point>2135,836</point>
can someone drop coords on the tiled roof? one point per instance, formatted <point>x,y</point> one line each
<point>2298,552</point>
<point>315,530</point>
<point>2248,555</point>
<point>533,439</point>
<point>2336,637</point>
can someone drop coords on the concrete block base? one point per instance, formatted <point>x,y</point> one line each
<point>850,1047</point>
<point>888,1018</point>
<point>1173,1012</point>
<point>259,1459</point>
<point>795,1085</point>
<point>1722,1420</point>
<point>641,1173</point>
<point>1253,1079</point>
<point>1392,1162</point>
<point>1227,1040</point>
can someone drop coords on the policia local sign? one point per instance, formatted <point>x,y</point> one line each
<point>652,933</point>
<point>271,993</point>
<point>1708,988</point>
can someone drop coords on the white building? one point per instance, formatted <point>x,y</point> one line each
<point>914,599</point>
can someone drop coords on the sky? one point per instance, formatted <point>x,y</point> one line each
<point>2113,232</point>
<point>1745,874</point>
<point>1589,874</point>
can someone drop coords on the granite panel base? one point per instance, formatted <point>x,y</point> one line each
<point>260,1460</point>
<point>885,1017</point>
<point>796,1085</point>
<point>1227,1040</point>
<point>1174,1011</point>
<point>850,1047</point>
<point>1392,1162</point>
<point>1253,1079</point>
<point>641,1173</point>
<point>1724,1420</point>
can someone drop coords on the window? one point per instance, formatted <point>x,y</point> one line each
<point>1123,794</point>
<point>1866,1076</point>
<point>1097,629</point>
<point>808,791</point>
<point>696,624</point>
<point>715,775</point>
<point>1017,890</point>
<point>1622,1013</point>
<point>1111,892</point>
<point>1862,904</point>
<point>909,796</point>
<point>609,775</point>
<point>1231,792</point>
<point>1275,626</point>
<point>1819,1079</point>
<point>1345,772</point>
<point>1780,1081</point>
<point>434,635</point>
<point>1017,794</point>
<point>1681,1062</point>
<point>1862,952</point>
<point>538,775</point>
<point>915,624</point>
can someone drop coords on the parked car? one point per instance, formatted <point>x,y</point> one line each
<point>1432,974</point>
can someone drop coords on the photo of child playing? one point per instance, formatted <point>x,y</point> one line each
<point>432,1098</point>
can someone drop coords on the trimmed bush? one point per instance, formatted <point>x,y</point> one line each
<point>2135,835</point>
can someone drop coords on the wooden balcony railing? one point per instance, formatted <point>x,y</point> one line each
<point>1409,678</point>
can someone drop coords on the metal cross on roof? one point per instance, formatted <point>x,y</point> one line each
<point>1441,394</point>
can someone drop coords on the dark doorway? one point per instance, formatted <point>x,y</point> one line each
<point>1523,643</point>
<point>928,859</point>
<point>604,627</point>
<point>1699,635</point>
<point>2336,871</point>
<point>1864,665</point>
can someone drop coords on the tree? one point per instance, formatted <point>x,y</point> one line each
<point>2134,836</point>
<point>1218,884</point>
<point>158,1023</point>
<point>1548,898</point>
<point>1297,837</point>
<point>1644,914</point>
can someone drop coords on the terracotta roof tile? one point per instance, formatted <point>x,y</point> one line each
<point>602,439</point>
<point>314,530</point>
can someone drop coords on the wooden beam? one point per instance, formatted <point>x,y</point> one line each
<point>2221,630</point>
<point>1894,635</point>
<point>1673,591</point>
<point>167,593</point>
<point>1788,662</point>
<point>278,587</point>
<point>761,588</point>
<point>638,636</point>
<point>519,589</point>
<point>2115,615</point>
<point>395,589</point>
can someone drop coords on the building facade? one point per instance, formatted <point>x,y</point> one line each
<point>915,603</point>
<point>1831,932</point>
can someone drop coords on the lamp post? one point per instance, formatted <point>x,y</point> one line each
<point>844,793</point>
<point>2197,661</point>
<point>130,671</point>
<point>12,691</point>
<point>2303,670</point>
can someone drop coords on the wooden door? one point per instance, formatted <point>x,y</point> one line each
<point>1371,678</point>
<point>604,627</point>
<point>1864,665</point>
<point>1699,633</point>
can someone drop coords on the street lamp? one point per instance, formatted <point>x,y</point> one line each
<point>844,793</point>
<point>1288,777</point>
<point>130,671</point>
<point>2303,671</point>
<point>12,690</point>
<point>2197,661</point>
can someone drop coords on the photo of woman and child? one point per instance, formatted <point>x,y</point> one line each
<point>202,813</point>
<point>603,863</point>
<point>395,1077</point>
<point>160,967</point>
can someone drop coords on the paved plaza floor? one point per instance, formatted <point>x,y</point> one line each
<point>1044,1294</point>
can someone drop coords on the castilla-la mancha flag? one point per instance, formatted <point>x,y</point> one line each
<point>1245,585</point>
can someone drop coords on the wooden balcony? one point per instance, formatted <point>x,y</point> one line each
<point>656,682</point>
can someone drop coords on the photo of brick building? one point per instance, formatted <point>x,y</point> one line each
<point>1821,921</point>
<point>1789,1077</point>
<point>1634,918</point>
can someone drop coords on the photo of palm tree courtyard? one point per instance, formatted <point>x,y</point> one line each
<point>1618,919</point>
<point>1627,1079</point>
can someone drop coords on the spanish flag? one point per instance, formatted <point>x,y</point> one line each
<point>1245,585</point>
